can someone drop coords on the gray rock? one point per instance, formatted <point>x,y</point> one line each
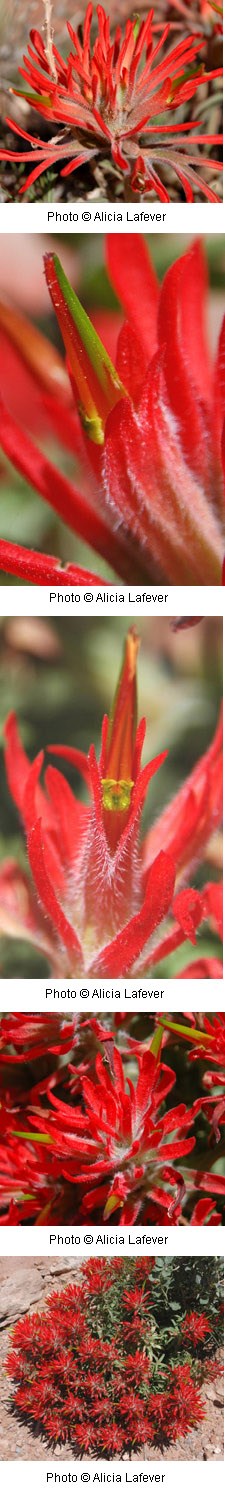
<point>17,1294</point>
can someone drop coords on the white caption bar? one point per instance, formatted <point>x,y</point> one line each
<point>111,599</point>
<point>56,1477</point>
<point>98,1239</point>
<point>93,995</point>
<point>82,218</point>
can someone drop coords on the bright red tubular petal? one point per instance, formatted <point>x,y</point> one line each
<point>184,287</point>
<point>39,568</point>
<point>138,291</point>
<point>119,955</point>
<point>53,486</point>
<point>17,763</point>
<point>47,894</point>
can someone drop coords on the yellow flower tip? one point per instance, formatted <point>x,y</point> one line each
<point>113,1202</point>
<point>93,426</point>
<point>116,795</point>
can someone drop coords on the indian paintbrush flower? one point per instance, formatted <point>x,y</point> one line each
<point>194,1328</point>
<point>109,101</point>
<point>86,1133</point>
<point>147,431</point>
<point>99,895</point>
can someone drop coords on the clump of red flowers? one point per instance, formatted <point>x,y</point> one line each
<point>100,897</point>
<point>110,100</point>
<point>146,432</point>
<point>73,1374</point>
<point>195,1327</point>
<point>86,1134</point>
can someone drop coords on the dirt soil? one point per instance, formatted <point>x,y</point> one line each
<point>24,1286</point>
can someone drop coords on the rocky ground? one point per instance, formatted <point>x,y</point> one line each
<point>24,1285</point>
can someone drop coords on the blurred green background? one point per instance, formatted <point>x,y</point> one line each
<point>25,518</point>
<point>60,677</point>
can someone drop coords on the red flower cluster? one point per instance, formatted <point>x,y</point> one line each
<point>85,1389</point>
<point>109,100</point>
<point>147,432</point>
<point>100,895</point>
<point>194,1328</point>
<point>110,1152</point>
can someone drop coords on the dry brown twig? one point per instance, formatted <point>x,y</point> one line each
<point>49,34</point>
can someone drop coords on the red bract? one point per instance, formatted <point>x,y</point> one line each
<point>194,1328</point>
<point>211,1044</point>
<point>109,100</point>
<point>207,1043</point>
<point>149,437</point>
<point>113,1153</point>
<point>31,1034</point>
<point>99,897</point>
<point>89,1391</point>
<point>179,1408</point>
<point>103,1145</point>
<point>40,569</point>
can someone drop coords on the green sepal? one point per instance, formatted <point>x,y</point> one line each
<point>99,359</point>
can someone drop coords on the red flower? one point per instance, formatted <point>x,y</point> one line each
<point>109,101</point>
<point>183,1402</point>
<point>111,1154</point>
<point>140,1432</point>
<point>99,896</point>
<point>134,1299</point>
<point>106,1144</point>
<point>194,1328</point>
<point>213,1368</point>
<point>111,1438</point>
<point>137,1367</point>
<point>151,496</point>
<point>138,1329</point>
<point>31,1034</point>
